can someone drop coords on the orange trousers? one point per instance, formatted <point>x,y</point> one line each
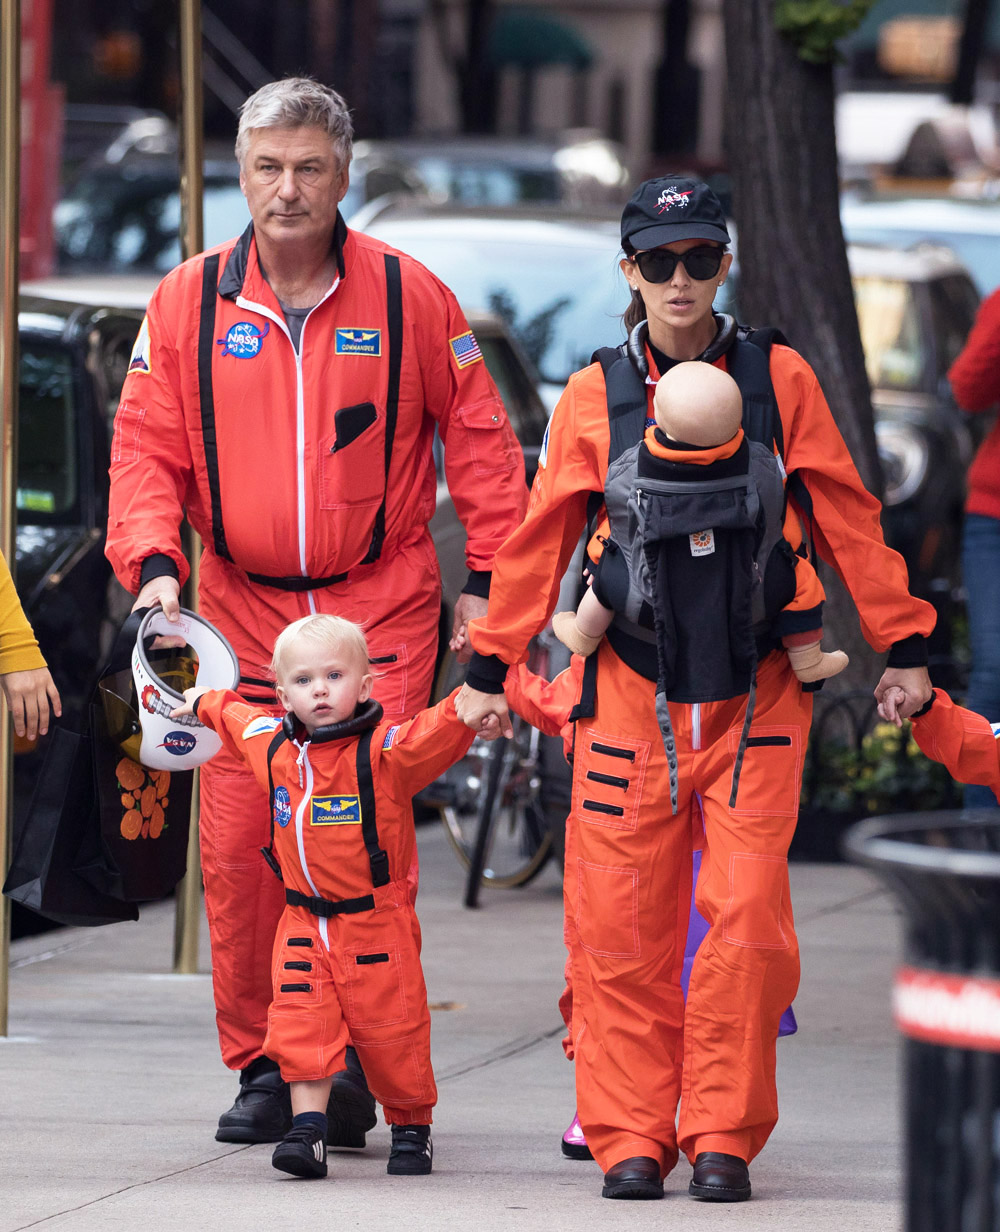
<point>639,1052</point>
<point>355,979</point>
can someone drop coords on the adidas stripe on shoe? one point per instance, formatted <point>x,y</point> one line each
<point>302,1152</point>
<point>412,1151</point>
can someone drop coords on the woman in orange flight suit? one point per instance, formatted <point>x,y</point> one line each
<point>628,876</point>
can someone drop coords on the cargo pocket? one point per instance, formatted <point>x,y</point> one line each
<point>352,459</point>
<point>375,996</point>
<point>771,775</point>
<point>489,441</point>
<point>607,909</point>
<point>757,888</point>
<point>295,978</point>
<point>608,783</point>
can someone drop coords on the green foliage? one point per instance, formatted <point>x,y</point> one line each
<point>815,26</point>
<point>887,773</point>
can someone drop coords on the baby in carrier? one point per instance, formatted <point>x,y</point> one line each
<point>698,410</point>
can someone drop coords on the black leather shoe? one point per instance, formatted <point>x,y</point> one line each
<point>350,1111</point>
<point>263,1109</point>
<point>638,1177</point>
<point>720,1178</point>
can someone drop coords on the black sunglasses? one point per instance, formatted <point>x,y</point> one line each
<point>658,264</point>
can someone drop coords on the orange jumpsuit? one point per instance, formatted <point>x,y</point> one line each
<point>284,465</point>
<point>963,741</point>
<point>628,882</point>
<point>353,976</point>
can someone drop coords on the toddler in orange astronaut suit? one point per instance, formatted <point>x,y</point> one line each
<point>698,410</point>
<point>346,960</point>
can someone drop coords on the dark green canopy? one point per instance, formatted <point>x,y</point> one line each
<point>533,38</point>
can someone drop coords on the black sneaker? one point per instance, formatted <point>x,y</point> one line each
<point>263,1109</point>
<point>302,1152</point>
<point>412,1151</point>
<point>350,1110</point>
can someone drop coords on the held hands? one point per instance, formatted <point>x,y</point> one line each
<point>29,695</point>
<point>486,713</point>
<point>901,692</point>
<point>190,697</point>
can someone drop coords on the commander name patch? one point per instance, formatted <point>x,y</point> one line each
<point>335,811</point>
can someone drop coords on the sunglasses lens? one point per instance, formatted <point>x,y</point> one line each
<point>656,265</point>
<point>703,263</point>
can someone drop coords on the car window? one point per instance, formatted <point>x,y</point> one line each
<point>486,184</point>
<point>979,253</point>
<point>47,475</point>
<point>895,354</point>
<point>560,299</point>
<point>953,309</point>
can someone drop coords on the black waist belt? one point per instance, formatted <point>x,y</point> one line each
<point>296,583</point>
<point>327,907</point>
<point>641,656</point>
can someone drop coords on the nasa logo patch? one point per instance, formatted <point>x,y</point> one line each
<point>178,743</point>
<point>282,807</point>
<point>244,340</point>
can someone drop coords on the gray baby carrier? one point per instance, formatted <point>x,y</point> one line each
<point>696,566</point>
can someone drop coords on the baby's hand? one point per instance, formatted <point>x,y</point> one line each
<point>190,697</point>
<point>489,727</point>
<point>888,707</point>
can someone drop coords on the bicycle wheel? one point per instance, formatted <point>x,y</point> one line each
<point>502,809</point>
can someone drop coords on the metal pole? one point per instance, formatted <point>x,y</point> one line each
<point>10,163</point>
<point>188,909</point>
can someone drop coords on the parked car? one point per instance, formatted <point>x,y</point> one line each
<point>123,215</point>
<point>73,359</point>
<point>581,168</point>
<point>971,228</point>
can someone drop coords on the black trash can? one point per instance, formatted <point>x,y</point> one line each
<point>945,868</point>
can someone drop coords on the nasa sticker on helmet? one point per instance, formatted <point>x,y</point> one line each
<point>183,743</point>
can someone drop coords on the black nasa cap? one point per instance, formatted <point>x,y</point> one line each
<point>672,208</point>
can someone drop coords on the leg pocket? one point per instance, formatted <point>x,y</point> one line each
<point>608,780</point>
<point>758,885</point>
<point>771,774</point>
<point>375,991</point>
<point>607,909</point>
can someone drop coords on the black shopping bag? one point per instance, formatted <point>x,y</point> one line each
<point>61,819</point>
<point>136,848</point>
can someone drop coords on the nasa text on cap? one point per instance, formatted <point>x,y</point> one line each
<point>672,208</point>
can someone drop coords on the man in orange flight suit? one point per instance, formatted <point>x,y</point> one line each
<point>639,1053</point>
<point>284,392</point>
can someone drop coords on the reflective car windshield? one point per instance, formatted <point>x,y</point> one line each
<point>47,478</point>
<point>558,288</point>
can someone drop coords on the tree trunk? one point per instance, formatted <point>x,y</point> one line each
<point>793,263</point>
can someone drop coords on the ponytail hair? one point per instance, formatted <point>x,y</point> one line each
<point>636,310</point>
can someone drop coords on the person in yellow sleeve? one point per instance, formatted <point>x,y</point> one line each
<point>25,679</point>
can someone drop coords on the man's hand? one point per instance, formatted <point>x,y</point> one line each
<point>467,607</point>
<point>915,685</point>
<point>166,591</point>
<point>29,695</point>
<point>475,708</point>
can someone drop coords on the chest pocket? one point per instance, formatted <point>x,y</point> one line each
<point>352,463</point>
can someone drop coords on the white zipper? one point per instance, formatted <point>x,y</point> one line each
<point>696,725</point>
<point>300,418</point>
<point>307,787</point>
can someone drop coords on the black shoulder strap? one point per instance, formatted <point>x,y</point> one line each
<point>377,859</point>
<point>394,316</point>
<point>268,852</point>
<point>749,365</point>
<point>628,403</point>
<point>206,397</point>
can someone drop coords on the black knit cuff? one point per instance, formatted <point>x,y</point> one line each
<point>919,714</point>
<point>478,583</point>
<point>486,673</point>
<point>194,704</point>
<point>156,566</point>
<point>908,652</point>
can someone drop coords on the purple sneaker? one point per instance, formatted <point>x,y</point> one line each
<point>574,1144</point>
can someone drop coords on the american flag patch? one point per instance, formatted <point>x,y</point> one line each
<point>390,735</point>
<point>465,348</point>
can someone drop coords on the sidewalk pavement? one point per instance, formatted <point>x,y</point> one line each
<point>112,1084</point>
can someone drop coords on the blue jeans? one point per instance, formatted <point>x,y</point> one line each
<point>981,572</point>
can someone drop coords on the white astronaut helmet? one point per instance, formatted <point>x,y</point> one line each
<point>179,744</point>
